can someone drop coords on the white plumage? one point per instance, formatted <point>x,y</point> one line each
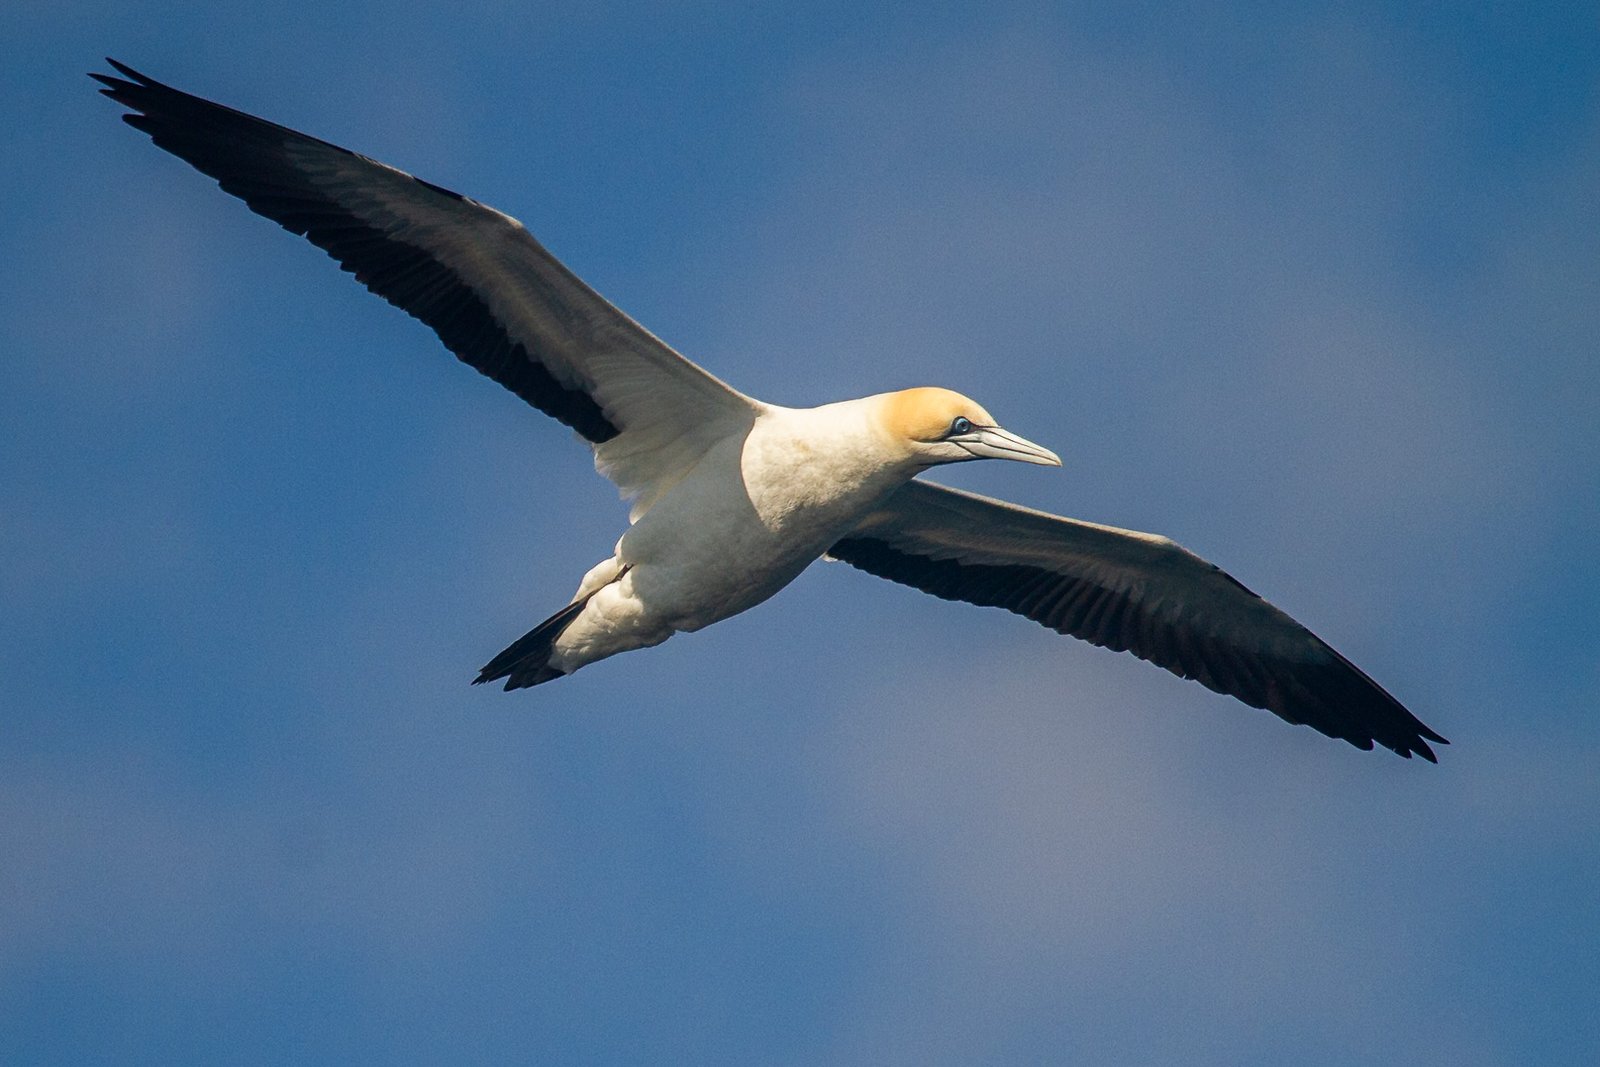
<point>733,498</point>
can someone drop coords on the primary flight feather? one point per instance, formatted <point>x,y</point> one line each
<point>732,497</point>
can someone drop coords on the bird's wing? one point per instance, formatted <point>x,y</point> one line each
<point>1128,591</point>
<point>494,296</point>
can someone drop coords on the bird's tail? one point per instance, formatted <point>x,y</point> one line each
<point>527,662</point>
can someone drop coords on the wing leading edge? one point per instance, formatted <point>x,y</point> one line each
<point>1133,592</point>
<point>495,297</point>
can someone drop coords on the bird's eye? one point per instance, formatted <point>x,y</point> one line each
<point>960,426</point>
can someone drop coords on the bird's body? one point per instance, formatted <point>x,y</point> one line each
<point>756,510</point>
<point>733,498</point>
<point>761,505</point>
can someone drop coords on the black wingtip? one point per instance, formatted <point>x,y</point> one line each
<point>128,72</point>
<point>130,82</point>
<point>133,78</point>
<point>1416,746</point>
<point>115,88</point>
<point>1420,746</point>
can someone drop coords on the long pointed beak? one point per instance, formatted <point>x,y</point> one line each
<point>991,442</point>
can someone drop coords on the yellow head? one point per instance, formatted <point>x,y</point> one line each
<point>928,413</point>
<point>935,426</point>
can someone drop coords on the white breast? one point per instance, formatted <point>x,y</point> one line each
<point>756,511</point>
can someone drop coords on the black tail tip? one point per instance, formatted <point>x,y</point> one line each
<point>522,677</point>
<point>534,675</point>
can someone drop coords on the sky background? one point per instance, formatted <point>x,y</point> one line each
<point>1315,292</point>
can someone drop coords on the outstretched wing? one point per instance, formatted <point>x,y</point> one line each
<point>494,296</point>
<point>1128,591</point>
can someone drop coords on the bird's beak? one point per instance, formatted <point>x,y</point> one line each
<point>991,442</point>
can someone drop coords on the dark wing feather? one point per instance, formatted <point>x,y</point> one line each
<point>1131,592</point>
<point>494,296</point>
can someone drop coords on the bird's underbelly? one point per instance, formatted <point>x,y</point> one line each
<point>711,548</point>
<point>709,578</point>
<point>713,571</point>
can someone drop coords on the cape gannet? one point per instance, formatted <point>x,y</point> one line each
<point>732,497</point>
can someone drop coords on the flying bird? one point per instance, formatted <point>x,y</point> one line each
<point>731,497</point>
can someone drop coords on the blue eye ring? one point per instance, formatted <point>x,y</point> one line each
<point>961,425</point>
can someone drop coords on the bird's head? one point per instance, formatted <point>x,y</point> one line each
<point>938,426</point>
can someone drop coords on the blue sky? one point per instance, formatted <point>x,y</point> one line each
<point>1316,293</point>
